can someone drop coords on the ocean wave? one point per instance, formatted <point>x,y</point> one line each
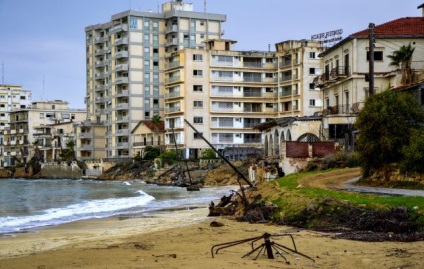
<point>83,210</point>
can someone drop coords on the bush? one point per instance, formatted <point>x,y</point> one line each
<point>414,154</point>
<point>208,154</point>
<point>169,157</point>
<point>151,153</point>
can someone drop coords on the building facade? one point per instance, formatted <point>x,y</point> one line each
<point>38,128</point>
<point>226,93</point>
<point>12,97</point>
<point>344,81</point>
<point>125,63</point>
<point>90,140</point>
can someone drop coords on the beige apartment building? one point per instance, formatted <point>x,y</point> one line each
<point>125,65</point>
<point>224,94</point>
<point>40,127</point>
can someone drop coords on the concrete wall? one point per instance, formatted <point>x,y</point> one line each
<point>62,170</point>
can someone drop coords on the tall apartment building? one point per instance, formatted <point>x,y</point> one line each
<point>126,60</point>
<point>12,97</point>
<point>39,123</point>
<point>225,93</point>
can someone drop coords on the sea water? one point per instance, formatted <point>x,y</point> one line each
<point>27,204</point>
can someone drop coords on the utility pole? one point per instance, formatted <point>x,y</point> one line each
<point>371,58</point>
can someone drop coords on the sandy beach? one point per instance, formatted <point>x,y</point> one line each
<point>183,239</point>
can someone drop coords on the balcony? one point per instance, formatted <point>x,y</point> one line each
<point>172,42</point>
<point>343,109</point>
<point>173,64</point>
<point>99,88</point>
<point>149,143</point>
<point>85,147</point>
<point>122,145</point>
<point>119,28</point>
<point>122,93</point>
<point>122,132</point>
<point>253,65</point>
<point>85,135</point>
<point>173,79</point>
<point>121,80</point>
<point>99,52</point>
<point>172,109</point>
<point>100,64</point>
<point>120,119</point>
<point>173,94</point>
<point>121,41</point>
<point>100,76</point>
<point>121,54</point>
<point>121,67</point>
<point>99,40</point>
<point>287,63</point>
<point>122,106</point>
<point>171,29</point>
<point>333,76</point>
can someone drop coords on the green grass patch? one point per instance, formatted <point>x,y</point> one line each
<point>296,201</point>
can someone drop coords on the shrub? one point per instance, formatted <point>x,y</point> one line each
<point>208,154</point>
<point>169,157</point>
<point>414,154</point>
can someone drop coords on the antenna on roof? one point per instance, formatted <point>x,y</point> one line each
<point>204,4</point>
<point>130,3</point>
<point>2,73</point>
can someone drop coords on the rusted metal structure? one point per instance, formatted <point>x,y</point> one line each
<point>267,246</point>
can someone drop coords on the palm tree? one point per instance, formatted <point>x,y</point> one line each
<point>156,122</point>
<point>402,59</point>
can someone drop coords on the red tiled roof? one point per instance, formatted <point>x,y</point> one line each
<point>403,27</point>
<point>150,125</point>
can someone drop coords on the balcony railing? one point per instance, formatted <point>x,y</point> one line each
<point>336,73</point>
<point>149,143</point>
<point>343,109</point>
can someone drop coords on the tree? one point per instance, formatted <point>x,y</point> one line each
<point>385,126</point>
<point>156,122</point>
<point>208,154</point>
<point>414,153</point>
<point>402,59</point>
<point>68,153</point>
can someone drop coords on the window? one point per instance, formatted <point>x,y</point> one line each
<point>197,119</point>
<point>312,102</point>
<point>197,57</point>
<point>198,104</point>
<point>198,88</point>
<point>198,135</point>
<point>133,23</point>
<point>378,56</point>
<point>312,55</point>
<point>202,23</point>
<point>23,97</point>
<point>312,71</point>
<point>197,73</point>
<point>312,86</point>
<point>202,36</point>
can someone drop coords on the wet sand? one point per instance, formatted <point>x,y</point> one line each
<point>183,239</point>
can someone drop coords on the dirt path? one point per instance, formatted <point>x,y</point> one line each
<point>330,180</point>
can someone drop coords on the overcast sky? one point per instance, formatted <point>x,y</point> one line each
<point>42,44</point>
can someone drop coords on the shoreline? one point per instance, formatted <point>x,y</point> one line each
<point>184,238</point>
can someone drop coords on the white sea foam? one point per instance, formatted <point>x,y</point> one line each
<point>83,210</point>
